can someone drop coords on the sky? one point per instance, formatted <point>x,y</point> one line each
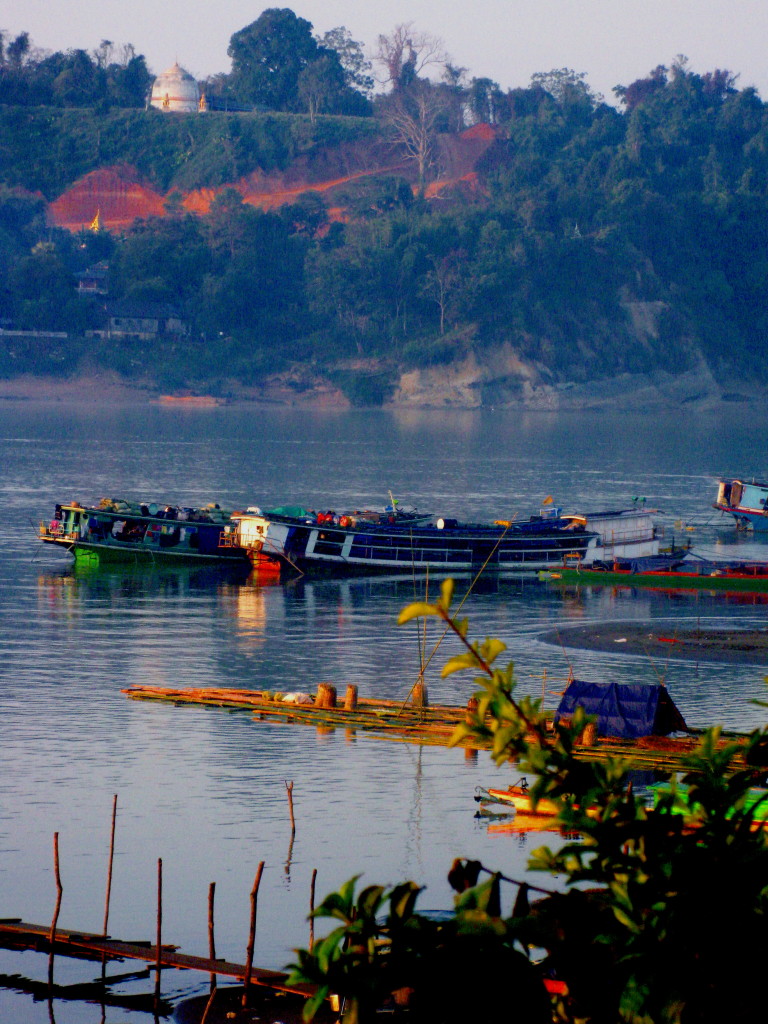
<point>613,41</point>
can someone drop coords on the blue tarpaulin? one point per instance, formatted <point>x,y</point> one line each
<point>623,710</point>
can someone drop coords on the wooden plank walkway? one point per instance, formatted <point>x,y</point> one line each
<point>69,942</point>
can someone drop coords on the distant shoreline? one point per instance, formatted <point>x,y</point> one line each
<point>317,394</point>
<point>110,389</point>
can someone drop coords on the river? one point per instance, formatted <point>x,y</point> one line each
<point>204,790</point>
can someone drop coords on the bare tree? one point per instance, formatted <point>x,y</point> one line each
<point>413,116</point>
<point>405,54</point>
<point>442,280</point>
<point>103,53</point>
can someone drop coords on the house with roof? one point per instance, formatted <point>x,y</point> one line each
<point>144,320</point>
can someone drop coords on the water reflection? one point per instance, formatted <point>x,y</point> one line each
<point>173,625</point>
<point>204,789</point>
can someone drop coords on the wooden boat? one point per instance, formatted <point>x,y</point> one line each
<point>196,401</point>
<point>515,799</point>
<point>688,573</point>
<point>357,542</point>
<point>117,530</point>
<point>746,502</point>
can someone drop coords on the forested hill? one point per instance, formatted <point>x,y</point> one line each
<point>557,251</point>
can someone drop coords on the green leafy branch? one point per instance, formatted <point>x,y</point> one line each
<point>663,917</point>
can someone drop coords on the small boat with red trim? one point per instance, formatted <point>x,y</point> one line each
<point>689,572</point>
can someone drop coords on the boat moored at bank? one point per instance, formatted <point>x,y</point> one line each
<point>746,502</point>
<point>117,530</point>
<point>358,542</point>
<point>684,571</point>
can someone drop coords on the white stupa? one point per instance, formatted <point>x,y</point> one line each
<point>176,91</point>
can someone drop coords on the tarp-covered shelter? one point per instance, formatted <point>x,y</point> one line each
<point>623,710</point>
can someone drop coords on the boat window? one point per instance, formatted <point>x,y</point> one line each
<point>327,548</point>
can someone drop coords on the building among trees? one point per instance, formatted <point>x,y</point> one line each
<point>176,91</point>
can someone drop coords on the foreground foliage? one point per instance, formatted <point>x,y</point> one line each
<point>662,918</point>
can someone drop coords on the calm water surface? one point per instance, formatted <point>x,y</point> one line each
<point>204,789</point>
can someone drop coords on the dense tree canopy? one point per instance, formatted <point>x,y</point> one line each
<point>580,220</point>
<point>108,77</point>
<point>278,64</point>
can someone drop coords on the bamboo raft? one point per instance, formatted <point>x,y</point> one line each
<point>394,719</point>
<point>432,724</point>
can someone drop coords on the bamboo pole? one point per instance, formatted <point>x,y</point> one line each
<point>312,909</point>
<point>211,937</point>
<point>251,933</point>
<point>159,947</point>
<point>109,865</point>
<point>289,790</point>
<point>208,1006</point>
<point>57,908</point>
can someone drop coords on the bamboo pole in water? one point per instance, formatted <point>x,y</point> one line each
<point>251,933</point>
<point>159,947</point>
<point>208,1006</point>
<point>57,908</point>
<point>211,937</point>
<point>312,909</point>
<point>109,865</point>
<point>289,789</point>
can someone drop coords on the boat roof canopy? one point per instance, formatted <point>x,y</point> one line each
<point>293,511</point>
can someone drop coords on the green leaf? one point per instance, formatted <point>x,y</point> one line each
<point>446,594</point>
<point>314,1003</point>
<point>403,899</point>
<point>418,610</point>
<point>491,649</point>
<point>460,663</point>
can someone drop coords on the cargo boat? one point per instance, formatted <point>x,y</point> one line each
<point>117,530</point>
<point>356,542</point>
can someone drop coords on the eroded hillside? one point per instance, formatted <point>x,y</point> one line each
<point>119,194</point>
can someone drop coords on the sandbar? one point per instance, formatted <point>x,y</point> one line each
<point>740,646</point>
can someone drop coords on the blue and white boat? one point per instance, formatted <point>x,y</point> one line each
<point>746,501</point>
<point>355,542</point>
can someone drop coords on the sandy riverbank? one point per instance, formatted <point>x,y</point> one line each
<point>99,389</point>
<point>749,647</point>
<point>111,389</point>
